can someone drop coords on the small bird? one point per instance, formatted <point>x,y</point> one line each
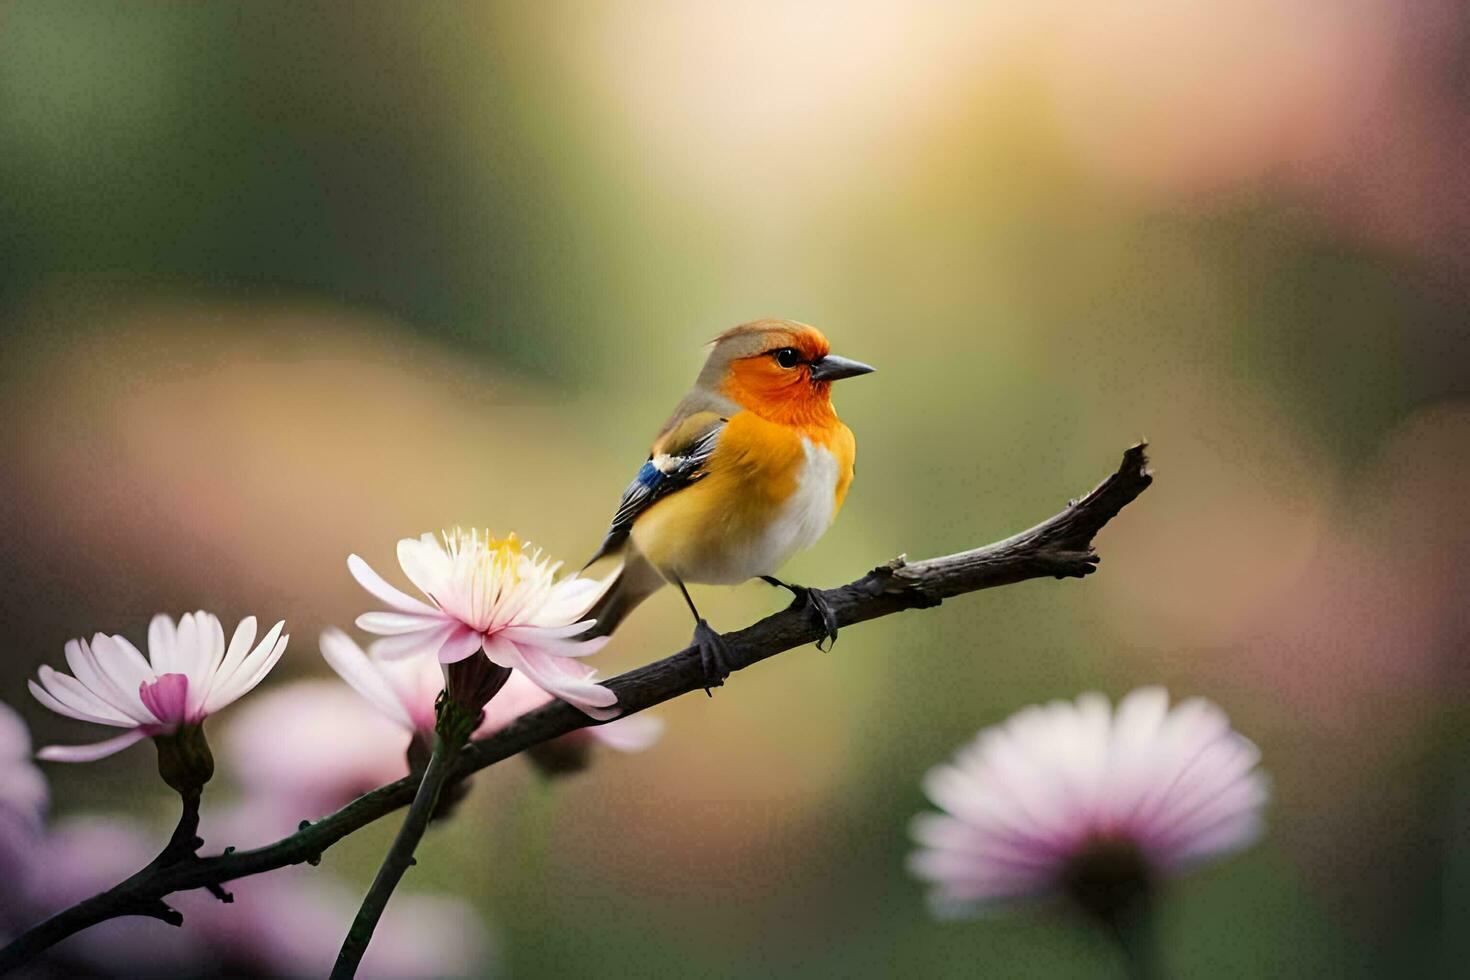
<point>751,468</point>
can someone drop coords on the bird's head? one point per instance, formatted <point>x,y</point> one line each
<point>780,369</point>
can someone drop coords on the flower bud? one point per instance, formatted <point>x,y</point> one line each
<point>184,759</point>
<point>469,685</point>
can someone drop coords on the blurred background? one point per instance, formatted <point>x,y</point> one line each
<point>281,282</point>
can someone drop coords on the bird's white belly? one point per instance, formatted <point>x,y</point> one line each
<point>801,519</point>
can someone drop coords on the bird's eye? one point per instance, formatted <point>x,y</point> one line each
<point>788,357</point>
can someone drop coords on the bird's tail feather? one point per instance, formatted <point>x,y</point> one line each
<point>636,581</point>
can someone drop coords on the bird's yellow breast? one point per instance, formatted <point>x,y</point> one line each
<point>771,490</point>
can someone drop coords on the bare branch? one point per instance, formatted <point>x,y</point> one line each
<point>1059,547</point>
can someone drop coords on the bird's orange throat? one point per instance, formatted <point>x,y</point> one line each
<point>785,397</point>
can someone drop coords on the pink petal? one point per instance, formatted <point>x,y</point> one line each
<point>547,640</point>
<point>461,643</point>
<point>632,734</point>
<point>566,681</point>
<point>502,652</point>
<point>89,753</point>
<point>166,697</point>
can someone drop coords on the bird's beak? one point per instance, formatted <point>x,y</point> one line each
<point>834,368</point>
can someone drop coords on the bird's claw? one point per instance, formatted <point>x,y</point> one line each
<point>714,655</point>
<point>814,600</point>
<point>828,617</point>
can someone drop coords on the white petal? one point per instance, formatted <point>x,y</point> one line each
<point>353,666</point>
<point>70,691</point>
<point>93,675</point>
<point>252,670</point>
<point>124,662</point>
<point>163,636</point>
<point>239,662</point>
<point>45,697</point>
<point>89,753</point>
<point>406,645</point>
<point>118,677</point>
<point>425,563</point>
<point>395,624</point>
<point>185,645</point>
<point>572,597</point>
<point>378,586</point>
<point>211,651</point>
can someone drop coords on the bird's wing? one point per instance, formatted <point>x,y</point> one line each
<point>678,460</point>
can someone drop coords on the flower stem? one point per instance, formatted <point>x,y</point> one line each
<point>399,856</point>
<point>1136,939</point>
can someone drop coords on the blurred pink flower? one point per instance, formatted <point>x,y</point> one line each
<point>290,923</point>
<point>189,675</point>
<point>23,798</point>
<point>493,595</point>
<point>405,690</point>
<point>307,748</point>
<point>1063,792</point>
<point>23,792</point>
<point>82,856</point>
<point>284,923</point>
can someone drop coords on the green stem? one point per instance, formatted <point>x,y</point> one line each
<point>399,857</point>
<point>1135,937</point>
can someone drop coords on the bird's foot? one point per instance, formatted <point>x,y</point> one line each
<point>813,600</point>
<point>714,655</point>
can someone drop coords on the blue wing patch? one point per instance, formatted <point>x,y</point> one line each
<point>654,482</point>
<point>650,476</point>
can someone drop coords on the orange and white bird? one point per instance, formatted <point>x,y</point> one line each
<point>751,468</point>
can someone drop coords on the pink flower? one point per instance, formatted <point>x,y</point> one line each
<point>189,674</point>
<point>1061,792</point>
<point>492,595</point>
<point>23,792</point>
<point>309,747</point>
<point>404,692</point>
<point>23,798</point>
<point>284,923</point>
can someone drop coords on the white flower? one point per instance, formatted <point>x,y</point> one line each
<point>404,691</point>
<point>1062,789</point>
<point>491,595</point>
<point>190,673</point>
